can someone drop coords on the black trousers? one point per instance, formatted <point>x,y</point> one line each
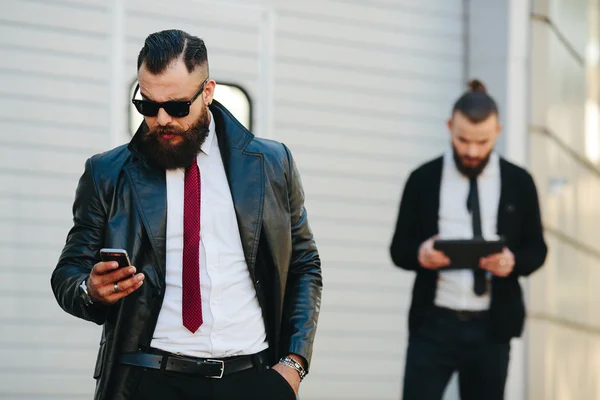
<point>445,344</point>
<point>252,384</point>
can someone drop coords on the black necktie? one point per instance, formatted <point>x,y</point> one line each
<point>479,284</point>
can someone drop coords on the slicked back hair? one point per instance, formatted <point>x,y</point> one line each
<point>164,47</point>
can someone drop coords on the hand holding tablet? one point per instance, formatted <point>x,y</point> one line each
<point>470,253</point>
<point>431,258</point>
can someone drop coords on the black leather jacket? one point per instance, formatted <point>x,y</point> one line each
<point>121,203</point>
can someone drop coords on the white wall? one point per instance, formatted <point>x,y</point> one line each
<point>359,90</point>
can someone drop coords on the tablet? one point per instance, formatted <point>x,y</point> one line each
<point>465,253</point>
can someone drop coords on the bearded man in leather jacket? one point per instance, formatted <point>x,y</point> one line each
<point>222,297</point>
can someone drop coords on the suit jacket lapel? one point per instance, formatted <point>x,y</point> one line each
<point>150,192</point>
<point>506,206</point>
<point>433,198</point>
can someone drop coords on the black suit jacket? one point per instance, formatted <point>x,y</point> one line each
<point>121,203</point>
<point>519,222</point>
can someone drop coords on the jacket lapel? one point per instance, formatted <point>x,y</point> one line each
<point>245,174</point>
<point>506,206</point>
<point>247,189</point>
<point>150,193</point>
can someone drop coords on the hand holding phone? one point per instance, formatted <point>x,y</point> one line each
<point>113,277</point>
<point>118,255</point>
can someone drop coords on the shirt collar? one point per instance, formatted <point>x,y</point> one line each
<point>211,135</point>
<point>493,166</point>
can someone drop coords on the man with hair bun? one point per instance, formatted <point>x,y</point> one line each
<point>462,319</point>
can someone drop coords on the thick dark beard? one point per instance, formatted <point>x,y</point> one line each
<point>180,155</point>
<point>470,172</point>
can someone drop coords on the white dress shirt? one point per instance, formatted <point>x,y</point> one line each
<point>232,318</point>
<point>455,287</point>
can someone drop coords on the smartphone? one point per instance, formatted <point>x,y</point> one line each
<point>118,255</point>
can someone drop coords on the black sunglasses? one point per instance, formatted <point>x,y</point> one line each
<point>177,109</point>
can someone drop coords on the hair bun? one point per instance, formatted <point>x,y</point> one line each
<point>475,85</point>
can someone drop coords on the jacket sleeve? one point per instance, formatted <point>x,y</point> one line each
<point>79,253</point>
<point>404,248</point>
<point>532,250</point>
<point>302,301</point>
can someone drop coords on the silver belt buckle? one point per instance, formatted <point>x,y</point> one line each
<point>221,362</point>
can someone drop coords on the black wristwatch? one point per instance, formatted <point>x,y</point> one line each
<point>87,300</point>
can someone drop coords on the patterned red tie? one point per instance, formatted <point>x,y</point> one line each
<point>191,302</point>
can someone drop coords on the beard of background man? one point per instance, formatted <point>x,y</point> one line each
<point>471,170</point>
<point>170,153</point>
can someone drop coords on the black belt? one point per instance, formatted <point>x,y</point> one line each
<point>209,368</point>
<point>462,315</point>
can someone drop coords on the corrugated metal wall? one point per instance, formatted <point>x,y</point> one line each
<point>359,90</point>
<point>361,96</point>
<point>54,112</point>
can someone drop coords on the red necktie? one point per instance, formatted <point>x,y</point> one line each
<point>191,303</point>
